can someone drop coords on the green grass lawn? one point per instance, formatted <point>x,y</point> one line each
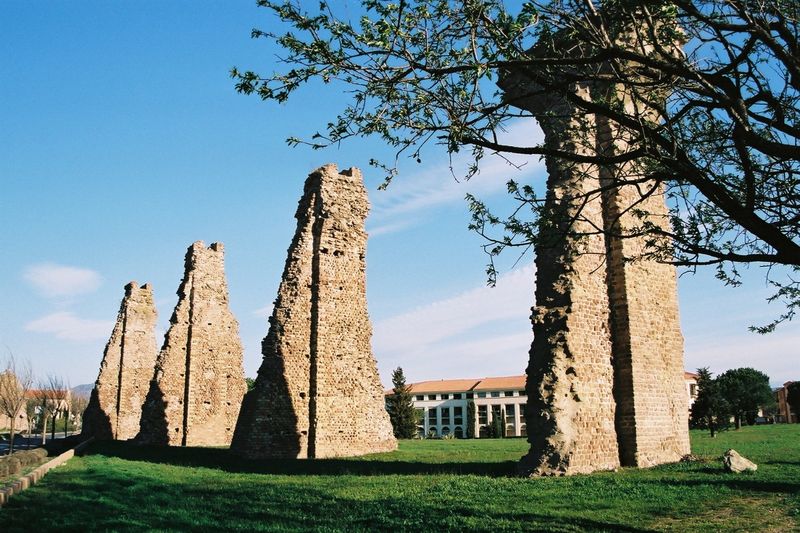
<point>425,485</point>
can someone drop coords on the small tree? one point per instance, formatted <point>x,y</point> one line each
<point>746,390</point>
<point>471,419</point>
<point>401,407</point>
<point>66,406</point>
<point>52,397</point>
<point>79,404</point>
<point>497,429</point>
<point>709,410</point>
<point>793,399</point>
<point>32,415</point>
<point>16,379</point>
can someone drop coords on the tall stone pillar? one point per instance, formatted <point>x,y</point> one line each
<point>198,384</point>
<point>318,393</point>
<point>652,404</point>
<point>605,374</point>
<point>119,392</point>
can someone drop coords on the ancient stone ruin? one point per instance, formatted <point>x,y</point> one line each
<point>115,405</point>
<point>605,377</point>
<point>318,393</point>
<point>198,384</point>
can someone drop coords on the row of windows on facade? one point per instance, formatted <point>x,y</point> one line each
<point>441,415</point>
<point>458,432</point>
<point>483,413</point>
<point>467,395</point>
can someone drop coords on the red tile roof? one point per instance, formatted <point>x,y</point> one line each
<point>480,384</point>
<point>507,382</point>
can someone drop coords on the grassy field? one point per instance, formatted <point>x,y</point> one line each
<point>425,485</point>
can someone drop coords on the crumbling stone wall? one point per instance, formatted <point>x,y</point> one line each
<point>198,384</point>
<point>116,402</point>
<point>605,376</point>
<point>318,393</point>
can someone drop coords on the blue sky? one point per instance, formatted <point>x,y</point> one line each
<point>123,141</point>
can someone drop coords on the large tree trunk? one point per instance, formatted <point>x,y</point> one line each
<point>44,429</point>
<point>738,421</point>
<point>713,428</point>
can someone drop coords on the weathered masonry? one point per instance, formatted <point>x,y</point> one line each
<point>198,384</point>
<point>605,376</point>
<point>318,393</point>
<point>116,402</point>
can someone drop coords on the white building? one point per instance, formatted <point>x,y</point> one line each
<point>443,405</point>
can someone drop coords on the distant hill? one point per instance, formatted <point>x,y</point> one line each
<point>83,390</point>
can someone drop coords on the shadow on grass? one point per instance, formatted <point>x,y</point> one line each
<point>739,482</point>
<point>223,459</point>
<point>128,501</point>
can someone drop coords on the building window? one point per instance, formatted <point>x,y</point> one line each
<point>522,412</point>
<point>431,417</point>
<point>692,390</point>
<point>457,396</point>
<point>431,396</point>
<point>458,415</point>
<point>483,417</point>
<point>495,394</point>
<point>470,395</point>
<point>510,413</point>
<point>481,395</point>
<point>508,393</point>
<point>420,397</point>
<point>445,396</point>
<point>445,415</point>
<point>445,431</point>
<point>459,433</point>
<point>523,393</point>
<point>432,432</point>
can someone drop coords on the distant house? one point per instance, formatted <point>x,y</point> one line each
<point>442,405</point>
<point>785,411</point>
<point>62,398</point>
<point>691,386</point>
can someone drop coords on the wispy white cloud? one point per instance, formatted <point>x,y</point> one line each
<point>482,331</point>
<point>57,281</point>
<point>67,326</point>
<point>436,186</point>
<point>263,312</point>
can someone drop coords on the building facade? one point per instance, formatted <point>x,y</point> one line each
<point>785,411</point>
<point>443,406</point>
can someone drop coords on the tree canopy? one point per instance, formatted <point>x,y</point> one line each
<point>710,409</point>
<point>746,390</point>
<point>710,111</point>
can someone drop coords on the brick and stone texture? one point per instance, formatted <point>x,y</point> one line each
<point>605,374</point>
<point>318,393</point>
<point>116,402</point>
<point>198,384</point>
